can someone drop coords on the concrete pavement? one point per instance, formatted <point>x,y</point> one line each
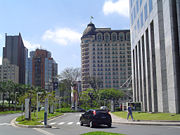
<point>118,120</point>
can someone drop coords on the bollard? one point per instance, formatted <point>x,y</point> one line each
<point>45,118</point>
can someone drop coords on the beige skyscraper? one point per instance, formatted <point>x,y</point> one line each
<point>105,54</point>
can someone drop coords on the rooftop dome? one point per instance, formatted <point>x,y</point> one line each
<point>89,30</point>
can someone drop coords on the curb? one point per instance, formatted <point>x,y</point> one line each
<point>119,120</point>
<point>153,124</point>
<point>14,123</point>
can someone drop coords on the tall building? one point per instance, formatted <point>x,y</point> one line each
<point>9,71</point>
<point>155,44</point>
<point>42,69</point>
<point>15,52</point>
<point>29,68</point>
<point>106,55</point>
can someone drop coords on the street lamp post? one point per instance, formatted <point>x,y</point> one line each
<point>15,100</point>
<point>37,103</point>
<point>91,96</point>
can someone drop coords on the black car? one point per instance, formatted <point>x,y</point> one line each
<point>96,117</point>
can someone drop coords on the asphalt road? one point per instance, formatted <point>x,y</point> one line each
<point>7,129</point>
<point>68,124</point>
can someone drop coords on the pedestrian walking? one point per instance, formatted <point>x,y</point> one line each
<point>130,112</point>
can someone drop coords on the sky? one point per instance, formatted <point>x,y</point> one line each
<point>57,25</point>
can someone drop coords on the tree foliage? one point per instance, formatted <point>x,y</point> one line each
<point>67,77</point>
<point>110,94</point>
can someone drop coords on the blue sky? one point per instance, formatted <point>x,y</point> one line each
<point>57,25</point>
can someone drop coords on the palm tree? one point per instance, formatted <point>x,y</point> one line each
<point>10,89</point>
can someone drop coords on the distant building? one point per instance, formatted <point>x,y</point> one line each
<point>155,44</point>
<point>42,69</point>
<point>15,52</point>
<point>106,55</point>
<point>9,71</point>
<point>29,68</point>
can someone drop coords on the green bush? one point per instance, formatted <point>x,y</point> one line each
<point>65,110</point>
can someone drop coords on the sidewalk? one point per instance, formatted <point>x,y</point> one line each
<point>118,120</point>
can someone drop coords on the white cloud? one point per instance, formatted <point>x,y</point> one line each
<point>121,7</point>
<point>30,46</point>
<point>62,36</point>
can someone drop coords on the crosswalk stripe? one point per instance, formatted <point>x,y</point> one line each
<point>52,123</point>
<point>61,123</point>
<point>2,124</point>
<point>70,123</point>
<point>78,123</point>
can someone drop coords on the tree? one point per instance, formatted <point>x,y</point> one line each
<point>67,77</point>
<point>95,83</point>
<point>3,91</point>
<point>110,94</point>
<point>10,90</point>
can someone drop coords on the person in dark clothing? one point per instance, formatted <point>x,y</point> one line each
<point>130,112</point>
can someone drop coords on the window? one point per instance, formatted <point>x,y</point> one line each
<point>131,19</point>
<point>121,37</point>
<point>142,19</point>
<point>145,12</point>
<point>140,3</point>
<point>99,37</point>
<point>150,6</point>
<point>114,36</point>
<point>131,3</point>
<point>138,25</point>
<point>137,6</point>
<point>128,36</point>
<point>107,37</point>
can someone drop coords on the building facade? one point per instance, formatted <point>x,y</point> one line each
<point>42,69</point>
<point>9,71</point>
<point>106,55</point>
<point>155,31</point>
<point>15,52</point>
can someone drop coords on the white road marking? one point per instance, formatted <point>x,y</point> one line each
<point>78,115</point>
<point>5,124</point>
<point>52,123</point>
<point>43,131</point>
<point>61,123</point>
<point>70,123</point>
<point>78,123</point>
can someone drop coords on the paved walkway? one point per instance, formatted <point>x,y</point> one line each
<point>116,119</point>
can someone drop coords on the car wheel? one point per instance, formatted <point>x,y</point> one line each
<point>81,123</point>
<point>91,125</point>
<point>109,125</point>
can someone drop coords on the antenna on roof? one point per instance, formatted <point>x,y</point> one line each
<point>91,18</point>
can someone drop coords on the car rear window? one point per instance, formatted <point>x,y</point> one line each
<point>101,112</point>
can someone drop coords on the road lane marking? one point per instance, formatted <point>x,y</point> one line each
<point>78,123</point>
<point>52,123</point>
<point>70,123</point>
<point>43,131</point>
<point>61,123</point>
<point>5,124</point>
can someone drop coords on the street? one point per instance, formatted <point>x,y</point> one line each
<point>68,124</point>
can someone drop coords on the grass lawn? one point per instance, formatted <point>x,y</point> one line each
<point>101,133</point>
<point>34,120</point>
<point>9,112</point>
<point>150,116</point>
